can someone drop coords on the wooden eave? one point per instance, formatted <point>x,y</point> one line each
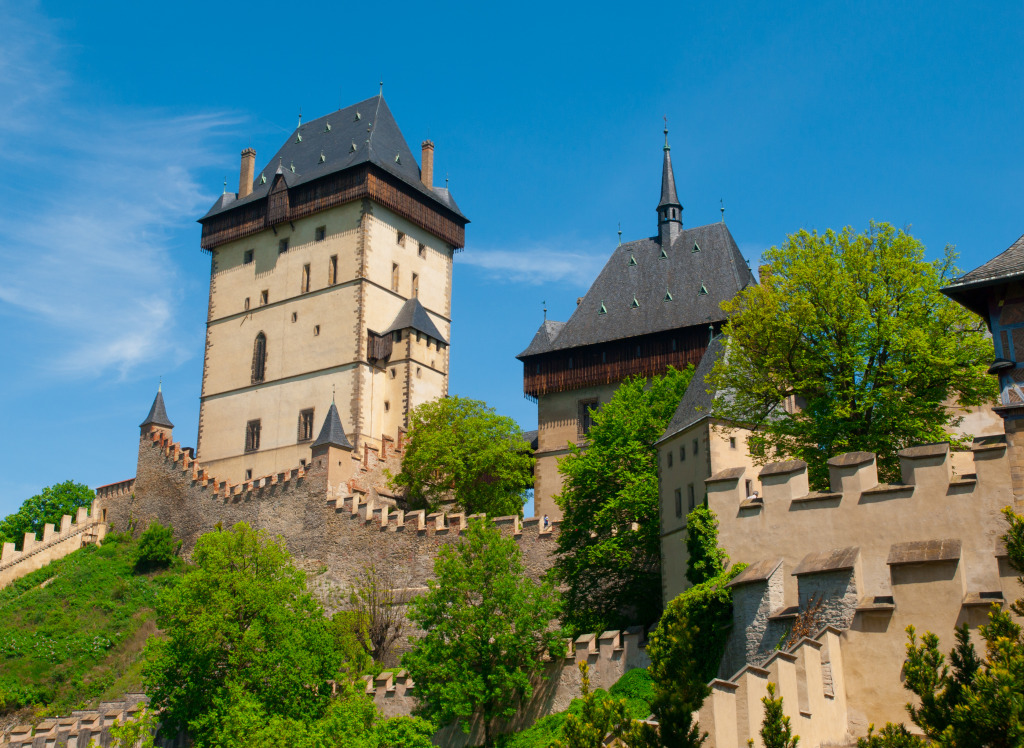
<point>363,181</point>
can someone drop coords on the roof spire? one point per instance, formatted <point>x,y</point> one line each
<point>225,186</point>
<point>157,412</point>
<point>670,211</point>
<point>300,118</point>
<point>332,434</point>
<point>620,233</point>
<point>722,201</point>
<point>545,310</point>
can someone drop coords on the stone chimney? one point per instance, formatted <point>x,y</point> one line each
<point>247,173</point>
<point>427,172</point>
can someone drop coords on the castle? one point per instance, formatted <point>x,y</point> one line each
<point>330,281</point>
<point>873,557</point>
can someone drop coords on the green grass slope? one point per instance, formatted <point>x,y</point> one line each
<point>72,632</point>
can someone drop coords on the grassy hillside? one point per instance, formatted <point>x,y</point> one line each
<point>72,632</point>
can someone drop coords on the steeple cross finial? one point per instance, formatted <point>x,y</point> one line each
<point>667,148</point>
<point>722,201</point>
<point>545,310</point>
<point>620,233</point>
<point>160,384</point>
<point>300,117</point>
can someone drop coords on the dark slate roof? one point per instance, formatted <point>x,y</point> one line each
<point>1005,266</point>
<point>158,413</point>
<point>668,179</point>
<point>544,339</point>
<point>718,267</point>
<point>531,438</point>
<point>412,314</point>
<point>332,434</point>
<point>698,398</point>
<point>376,138</point>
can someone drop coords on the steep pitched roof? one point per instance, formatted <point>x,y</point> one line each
<point>362,133</point>
<point>412,314</point>
<point>544,338</point>
<point>701,269</point>
<point>697,400</point>
<point>1007,265</point>
<point>668,179</point>
<point>157,413</point>
<point>332,434</point>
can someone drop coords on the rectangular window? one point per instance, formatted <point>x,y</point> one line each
<point>394,276</point>
<point>316,330</point>
<point>750,486</point>
<point>248,257</point>
<point>415,285</point>
<point>282,246</point>
<point>246,302</point>
<point>732,442</point>
<point>264,297</point>
<point>691,502</point>
<point>669,458</point>
<point>401,239</point>
<point>423,250</point>
<point>695,443</point>
<point>321,233</point>
<point>252,436</point>
<point>248,474</point>
<point>679,502</point>
<point>682,453</point>
<point>396,336</point>
<point>305,279</point>
<point>332,270</point>
<point>584,418</point>
<point>306,425</point>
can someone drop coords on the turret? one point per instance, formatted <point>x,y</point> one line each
<point>157,419</point>
<point>332,450</point>
<point>670,212</point>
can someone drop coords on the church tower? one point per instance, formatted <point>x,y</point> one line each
<point>330,282</point>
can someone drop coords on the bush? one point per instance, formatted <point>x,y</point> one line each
<point>157,548</point>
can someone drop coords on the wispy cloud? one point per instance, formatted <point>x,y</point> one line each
<point>89,223</point>
<point>552,262</point>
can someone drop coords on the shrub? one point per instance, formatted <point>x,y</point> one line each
<point>157,548</point>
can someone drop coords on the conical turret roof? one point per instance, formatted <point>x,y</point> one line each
<point>158,413</point>
<point>332,434</point>
<point>668,180</point>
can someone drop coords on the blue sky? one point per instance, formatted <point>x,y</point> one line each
<point>120,124</point>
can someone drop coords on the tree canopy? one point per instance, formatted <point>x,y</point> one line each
<point>851,329</point>
<point>46,507</point>
<point>487,627</point>
<point>460,449</point>
<point>609,547</point>
<point>245,643</point>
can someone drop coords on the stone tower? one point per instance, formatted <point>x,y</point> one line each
<point>330,280</point>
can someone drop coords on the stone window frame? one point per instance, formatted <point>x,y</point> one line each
<point>584,419</point>
<point>252,435</point>
<point>259,358</point>
<point>332,270</point>
<point>305,425</point>
<point>395,271</point>
<point>307,272</point>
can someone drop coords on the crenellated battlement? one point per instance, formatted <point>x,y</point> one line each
<point>88,527</point>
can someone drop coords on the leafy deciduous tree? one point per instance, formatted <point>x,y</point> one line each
<point>245,640</point>
<point>378,608</point>
<point>460,449</point>
<point>487,627</point>
<point>46,507</point>
<point>852,327</point>
<point>157,548</point>
<point>609,547</point>
<point>705,559</point>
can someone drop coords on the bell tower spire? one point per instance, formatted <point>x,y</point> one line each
<point>670,212</point>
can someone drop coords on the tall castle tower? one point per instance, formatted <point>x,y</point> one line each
<point>330,280</point>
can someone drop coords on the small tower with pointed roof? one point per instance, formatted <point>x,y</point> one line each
<point>332,451</point>
<point>157,419</point>
<point>670,210</point>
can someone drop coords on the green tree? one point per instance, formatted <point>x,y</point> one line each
<point>46,507</point>
<point>705,559</point>
<point>891,736</point>
<point>598,718</point>
<point>853,326</point>
<point>776,731</point>
<point>487,627</point>
<point>609,547</point>
<point>244,638</point>
<point>460,449</point>
<point>135,733</point>
<point>157,548</point>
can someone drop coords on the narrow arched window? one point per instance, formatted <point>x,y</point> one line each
<point>259,358</point>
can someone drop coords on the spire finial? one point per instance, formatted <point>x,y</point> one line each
<point>667,147</point>
<point>160,384</point>
<point>722,201</point>
<point>545,310</point>
<point>381,94</point>
<point>225,186</point>
<point>620,233</point>
<point>332,394</point>
<point>300,117</point>
<point>446,180</point>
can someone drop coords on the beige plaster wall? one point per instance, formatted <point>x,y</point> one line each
<point>557,425</point>
<point>714,452</point>
<point>88,527</point>
<point>316,340</point>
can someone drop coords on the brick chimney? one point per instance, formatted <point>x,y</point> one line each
<point>247,173</point>
<point>427,172</point>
